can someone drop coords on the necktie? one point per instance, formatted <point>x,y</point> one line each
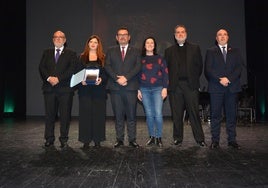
<point>123,53</point>
<point>224,53</point>
<point>57,55</point>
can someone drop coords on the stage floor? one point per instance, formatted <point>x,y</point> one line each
<point>25,163</point>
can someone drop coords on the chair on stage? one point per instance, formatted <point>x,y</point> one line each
<point>246,110</point>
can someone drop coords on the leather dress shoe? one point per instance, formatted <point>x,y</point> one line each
<point>202,144</point>
<point>64,145</point>
<point>234,145</point>
<point>134,144</point>
<point>118,144</point>
<point>214,145</point>
<point>97,145</point>
<point>177,143</point>
<point>48,144</point>
<point>86,146</point>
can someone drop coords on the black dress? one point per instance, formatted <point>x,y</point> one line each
<point>92,107</point>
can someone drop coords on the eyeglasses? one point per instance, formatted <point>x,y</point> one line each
<point>180,32</point>
<point>122,35</point>
<point>58,37</point>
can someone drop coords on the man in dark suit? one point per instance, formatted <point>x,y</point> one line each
<point>56,68</point>
<point>123,65</point>
<point>185,67</point>
<point>223,66</point>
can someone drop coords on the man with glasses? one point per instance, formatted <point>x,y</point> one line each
<point>56,68</point>
<point>123,65</point>
<point>185,66</point>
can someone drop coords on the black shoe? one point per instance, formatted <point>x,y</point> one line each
<point>48,144</point>
<point>86,146</point>
<point>202,144</point>
<point>134,144</point>
<point>150,141</point>
<point>64,145</point>
<point>97,145</point>
<point>234,145</point>
<point>159,142</point>
<point>177,142</point>
<point>118,144</point>
<point>214,145</point>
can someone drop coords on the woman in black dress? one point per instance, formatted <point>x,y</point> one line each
<point>92,94</point>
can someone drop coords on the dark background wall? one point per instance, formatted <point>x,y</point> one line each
<point>256,31</point>
<point>13,58</point>
<point>154,17</point>
<point>19,76</point>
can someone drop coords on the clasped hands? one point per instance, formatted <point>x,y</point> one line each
<point>53,80</point>
<point>121,80</point>
<point>224,81</point>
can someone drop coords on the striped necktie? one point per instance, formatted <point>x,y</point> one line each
<point>57,55</point>
<point>224,53</point>
<point>123,53</point>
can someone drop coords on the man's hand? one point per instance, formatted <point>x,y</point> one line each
<point>53,80</point>
<point>121,80</point>
<point>224,81</point>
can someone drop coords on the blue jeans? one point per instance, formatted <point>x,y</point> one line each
<point>153,104</point>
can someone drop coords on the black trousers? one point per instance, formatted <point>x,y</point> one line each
<point>92,115</point>
<point>124,104</point>
<point>184,98</point>
<point>226,102</point>
<point>58,104</point>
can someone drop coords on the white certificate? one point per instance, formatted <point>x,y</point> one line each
<point>77,78</point>
<point>90,76</point>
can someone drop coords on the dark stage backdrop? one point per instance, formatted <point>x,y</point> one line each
<point>79,19</point>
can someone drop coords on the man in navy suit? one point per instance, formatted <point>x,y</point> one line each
<point>123,65</point>
<point>56,74</point>
<point>223,66</point>
<point>185,66</point>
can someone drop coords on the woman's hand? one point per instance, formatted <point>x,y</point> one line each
<point>164,93</point>
<point>139,95</point>
<point>98,82</point>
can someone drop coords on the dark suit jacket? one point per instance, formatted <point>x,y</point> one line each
<point>129,68</point>
<point>215,67</point>
<point>63,69</point>
<point>194,65</point>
